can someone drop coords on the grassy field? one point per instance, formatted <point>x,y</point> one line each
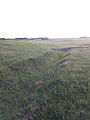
<point>45,80</point>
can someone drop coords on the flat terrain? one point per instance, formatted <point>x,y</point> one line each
<point>45,79</point>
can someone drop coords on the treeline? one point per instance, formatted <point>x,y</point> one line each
<point>25,38</point>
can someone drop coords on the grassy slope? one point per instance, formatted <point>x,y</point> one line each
<point>70,99</point>
<point>43,83</point>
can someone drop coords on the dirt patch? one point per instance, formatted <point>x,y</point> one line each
<point>88,45</point>
<point>69,48</point>
<point>39,82</point>
<point>62,49</point>
<point>63,63</point>
<point>30,112</point>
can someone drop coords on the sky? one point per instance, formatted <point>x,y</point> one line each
<point>44,18</point>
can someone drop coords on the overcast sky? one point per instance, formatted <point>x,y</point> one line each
<point>49,18</point>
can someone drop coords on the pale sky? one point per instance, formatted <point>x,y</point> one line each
<point>44,18</point>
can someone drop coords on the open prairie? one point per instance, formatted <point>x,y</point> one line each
<point>45,79</point>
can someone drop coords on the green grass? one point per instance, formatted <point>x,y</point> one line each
<point>70,99</point>
<point>41,83</point>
